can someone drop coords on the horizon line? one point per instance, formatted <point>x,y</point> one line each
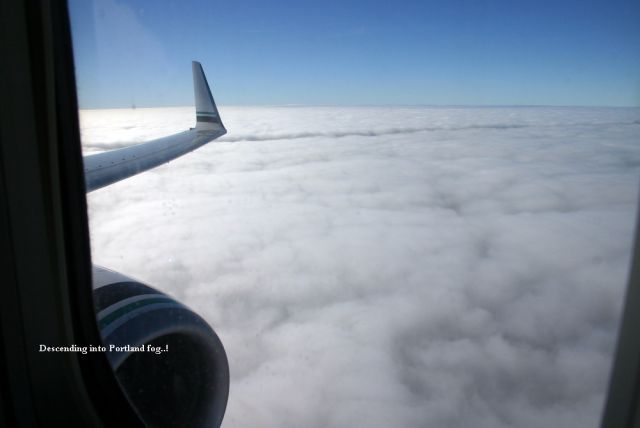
<point>289,105</point>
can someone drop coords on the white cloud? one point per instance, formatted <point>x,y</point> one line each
<point>389,266</point>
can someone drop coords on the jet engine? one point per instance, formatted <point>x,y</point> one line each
<point>168,360</point>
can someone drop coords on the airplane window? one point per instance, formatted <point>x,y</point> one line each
<point>361,213</point>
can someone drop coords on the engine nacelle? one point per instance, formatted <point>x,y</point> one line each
<point>168,360</point>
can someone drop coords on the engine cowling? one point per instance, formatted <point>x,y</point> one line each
<point>170,363</point>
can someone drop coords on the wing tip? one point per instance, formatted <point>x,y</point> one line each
<point>207,116</point>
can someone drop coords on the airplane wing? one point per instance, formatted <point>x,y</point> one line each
<point>107,168</point>
<point>132,315</point>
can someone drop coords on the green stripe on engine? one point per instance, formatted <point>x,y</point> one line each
<point>130,307</point>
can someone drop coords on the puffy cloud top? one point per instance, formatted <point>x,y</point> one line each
<point>385,267</point>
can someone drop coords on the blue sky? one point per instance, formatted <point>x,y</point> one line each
<point>473,52</point>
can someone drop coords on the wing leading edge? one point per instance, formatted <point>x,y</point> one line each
<point>107,168</point>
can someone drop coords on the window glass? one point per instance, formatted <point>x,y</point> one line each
<point>421,214</point>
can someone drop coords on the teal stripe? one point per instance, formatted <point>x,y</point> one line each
<point>128,308</point>
<point>207,113</point>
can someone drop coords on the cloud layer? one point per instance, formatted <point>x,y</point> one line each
<point>389,266</point>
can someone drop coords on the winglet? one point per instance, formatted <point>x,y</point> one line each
<point>207,116</point>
